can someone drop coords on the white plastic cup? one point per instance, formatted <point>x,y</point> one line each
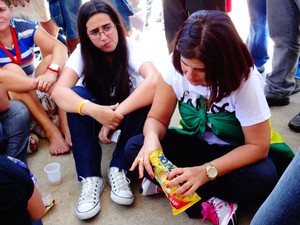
<point>53,173</point>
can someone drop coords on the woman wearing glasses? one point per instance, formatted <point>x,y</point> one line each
<point>107,84</point>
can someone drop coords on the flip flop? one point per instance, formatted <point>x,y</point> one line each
<point>33,143</point>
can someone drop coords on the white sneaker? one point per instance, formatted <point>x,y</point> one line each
<point>219,212</point>
<point>89,200</point>
<point>120,190</point>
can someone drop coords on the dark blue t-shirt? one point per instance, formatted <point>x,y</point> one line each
<point>16,188</point>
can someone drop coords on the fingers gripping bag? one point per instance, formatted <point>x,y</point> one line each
<point>161,167</point>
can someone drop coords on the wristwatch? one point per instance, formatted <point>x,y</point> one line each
<point>54,68</point>
<point>211,171</point>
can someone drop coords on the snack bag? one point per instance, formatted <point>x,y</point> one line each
<point>161,167</point>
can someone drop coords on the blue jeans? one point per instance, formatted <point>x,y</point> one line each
<point>282,207</point>
<point>87,151</point>
<point>64,13</point>
<point>125,10</point>
<point>283,20</point>
<point>257,40</point>
<point>14,131</point>
<point>251,183</point>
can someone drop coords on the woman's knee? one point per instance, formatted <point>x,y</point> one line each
<point>14,68</point>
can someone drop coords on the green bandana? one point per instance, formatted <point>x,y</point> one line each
<point>226,126</point>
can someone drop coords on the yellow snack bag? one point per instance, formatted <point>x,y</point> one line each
<point>161,167</point>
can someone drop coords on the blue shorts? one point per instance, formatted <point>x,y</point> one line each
<point>64,13</point>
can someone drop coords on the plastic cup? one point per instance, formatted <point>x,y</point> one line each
<point>53,173</point>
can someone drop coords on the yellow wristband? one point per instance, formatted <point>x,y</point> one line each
<point>81,104</point>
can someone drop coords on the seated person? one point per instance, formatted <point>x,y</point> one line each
<point>17,40</point>
<point>21,202</point>
<point>224,148</point>
<point>108,82</point>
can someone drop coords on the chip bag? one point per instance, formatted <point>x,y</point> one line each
<point>161,167</point>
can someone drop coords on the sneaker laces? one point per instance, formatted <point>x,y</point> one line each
<point>215,208</point>
<point>89,191</point>
<point>119,180</point>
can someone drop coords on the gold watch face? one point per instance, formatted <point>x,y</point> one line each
<point>212,172</point>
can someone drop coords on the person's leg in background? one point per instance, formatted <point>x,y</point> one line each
<point>125,10</point>
<point>283,204</point>
<point>283,20</point>
<point>257,40</point>
<point>64,13</point>
<point>175,12</point>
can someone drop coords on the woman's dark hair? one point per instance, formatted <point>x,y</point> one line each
<point>104,77</point>
<point>211,37</point>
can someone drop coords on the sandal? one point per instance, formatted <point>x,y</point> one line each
<point>33,143</point>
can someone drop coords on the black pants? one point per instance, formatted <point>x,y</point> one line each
<point>177,11</point>
<point>251,183</point>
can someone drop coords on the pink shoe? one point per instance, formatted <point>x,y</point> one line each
<point>219,212</point>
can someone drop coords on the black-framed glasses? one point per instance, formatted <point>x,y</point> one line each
<point>107,30</point>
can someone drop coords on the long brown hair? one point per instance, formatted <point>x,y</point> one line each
<point>100,75</point>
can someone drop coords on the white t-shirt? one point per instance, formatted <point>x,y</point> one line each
<point>248,101</point>
<point>136,57</point>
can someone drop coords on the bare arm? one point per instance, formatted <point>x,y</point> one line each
<point>4,101</point>
<point>15,81</point>
<point>36,206</point>
<point>54,52</point>
<point>144,93</point>
<point>68,101</point>
<point>157,122</point>
<point>142,96</point>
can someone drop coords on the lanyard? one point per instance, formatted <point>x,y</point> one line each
<point>15,59</point>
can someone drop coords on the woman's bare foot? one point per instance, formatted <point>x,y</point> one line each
<point>58,145</point>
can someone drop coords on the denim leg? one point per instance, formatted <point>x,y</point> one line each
<point>125,10</point>
<point>283,20</point>
<point>257,40</point>
<point>133,125</point>
<point>283,204</point>
<point>16,126</point>
<point>69,11</point>
<point>84,131</point>
<point>56,13</point>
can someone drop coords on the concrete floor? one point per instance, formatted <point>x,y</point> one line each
<point>145,210</point>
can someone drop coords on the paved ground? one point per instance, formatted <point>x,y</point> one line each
<point>145,210</point>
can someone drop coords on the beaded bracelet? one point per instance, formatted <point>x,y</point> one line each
<point>81,104</point>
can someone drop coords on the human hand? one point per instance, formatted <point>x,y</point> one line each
<point>4,103</point>
<point>107,116</point>
<point>22,2</point>
<point>142,159</point>
<point>46,81</point>
<point>103,135</point>
<point>189,179</point>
